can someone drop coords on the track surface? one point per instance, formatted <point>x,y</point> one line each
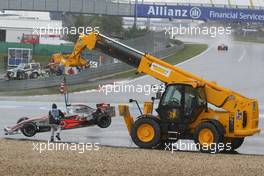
<point>240,69</point>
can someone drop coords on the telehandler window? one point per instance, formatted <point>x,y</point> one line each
<point>172,96</point>
<point>183,101</point>
<point>193,103</point>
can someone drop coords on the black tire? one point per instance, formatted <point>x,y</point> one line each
<point>220,128</point>
<point>34,75</point>
<point>234,143</point>
<point>103,121</point>
<point>22,119</point>
<point>207,148</point>
<point>19,75</point>
<point>157,132</point>
<point>29,129</point>
<point>22,75</point>
<point>9,77</point>
<point>237,142</point>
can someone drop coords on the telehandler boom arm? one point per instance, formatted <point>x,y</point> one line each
<point>145,63</point>
<point>74,59</point>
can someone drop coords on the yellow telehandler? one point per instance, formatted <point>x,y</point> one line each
<point>183,110</point>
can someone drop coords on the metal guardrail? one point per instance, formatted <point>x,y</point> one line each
<point>102,7</point>
<point>83,77</point>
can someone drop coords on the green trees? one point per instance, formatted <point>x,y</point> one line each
<point>108,25</point>
<point>135,32</point>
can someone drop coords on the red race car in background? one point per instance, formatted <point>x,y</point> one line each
<point>222,47</point>
<point>77,116</point>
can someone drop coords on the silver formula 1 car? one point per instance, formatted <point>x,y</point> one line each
<point>76,116</point>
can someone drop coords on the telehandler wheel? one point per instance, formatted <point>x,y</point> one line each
<point>207,137</point>
<point>146,132</point>
<point>235,143</point>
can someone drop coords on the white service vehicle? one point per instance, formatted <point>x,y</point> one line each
<point>25,71</point>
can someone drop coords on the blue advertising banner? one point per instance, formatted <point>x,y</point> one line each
<point>200,13</point>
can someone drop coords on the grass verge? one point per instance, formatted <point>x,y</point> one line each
<point>189,51</point>
<point>249,39</point>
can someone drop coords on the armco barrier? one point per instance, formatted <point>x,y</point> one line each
<point>83,77</point>
<point>86,76</point>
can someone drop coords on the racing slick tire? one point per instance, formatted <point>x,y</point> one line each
<point>103,121</point>
<point>29,129</point>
